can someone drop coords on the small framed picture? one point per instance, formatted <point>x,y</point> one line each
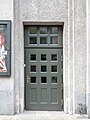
<point>5,48</point>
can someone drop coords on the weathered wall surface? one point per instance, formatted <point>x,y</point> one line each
<point>88,58</point>
<point>80,51</point>
<point>73,15</point>
<point>7,83</point>
<point>39,11</point>
<point>46,10</point>
<point>77,58</point>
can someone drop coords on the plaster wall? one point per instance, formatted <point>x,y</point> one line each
<point>7,83</point>
<point>73,14</point>
<point>34,11</point>
<point>88,58</point>
<point>80,54</point>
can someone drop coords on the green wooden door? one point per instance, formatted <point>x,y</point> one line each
<point>43,77</point>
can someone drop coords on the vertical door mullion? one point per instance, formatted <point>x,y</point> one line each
<point>49,77</point>
<point>48,35</point>
<point>38,37</point>
<point>38,75</point>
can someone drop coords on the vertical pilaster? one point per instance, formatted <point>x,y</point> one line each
<point>80,58</point>
<point>88,58</point>
<point>17,55</point>
<point>70,54</point>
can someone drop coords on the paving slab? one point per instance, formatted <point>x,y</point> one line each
<point>43,115</point>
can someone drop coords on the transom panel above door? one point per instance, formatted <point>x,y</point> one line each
<point>47,36</point>
<point>43,72</point>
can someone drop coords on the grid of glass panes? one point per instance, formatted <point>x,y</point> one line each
<point>45,35</point>
<point>43,62</point>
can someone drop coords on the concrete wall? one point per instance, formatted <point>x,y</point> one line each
<point>80,53</point>
<point>33,11</point>
<point>88,58</point>
<point>7,83</point>
<point>77,58</point>
<point>73,14</point>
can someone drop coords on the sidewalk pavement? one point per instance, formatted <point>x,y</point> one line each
<point>43,115</point>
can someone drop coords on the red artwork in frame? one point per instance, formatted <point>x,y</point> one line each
<point>5,47</point>
<point>3,53</point>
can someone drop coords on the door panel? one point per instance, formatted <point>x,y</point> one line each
<point>43,79</point>
<point>43,72</point>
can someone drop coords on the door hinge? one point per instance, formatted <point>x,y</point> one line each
<point>61,57</point>
<point>62,86</point>
<point>62,101</point>
<point>61,70</point>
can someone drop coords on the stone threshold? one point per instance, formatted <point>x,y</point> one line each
<point>43,115</point>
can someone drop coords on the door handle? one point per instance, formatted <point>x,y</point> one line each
<point>28,79</point>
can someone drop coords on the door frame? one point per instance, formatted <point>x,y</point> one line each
<point>19,74</point>
<point>48,24</point>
